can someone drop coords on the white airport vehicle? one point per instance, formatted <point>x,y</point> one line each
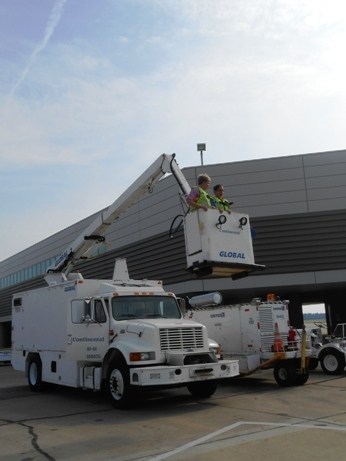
<point>329,350</point>
<point>258,334</point>
<point>119,335</point>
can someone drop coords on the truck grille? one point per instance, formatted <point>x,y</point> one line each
<point>181,338</point>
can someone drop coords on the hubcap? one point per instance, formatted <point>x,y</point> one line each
<point>33,373</point>
<point>282,374</point>
<point>330,362</point>
<point>116,383</point>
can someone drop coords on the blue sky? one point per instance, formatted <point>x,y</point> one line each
<point>91,92</point>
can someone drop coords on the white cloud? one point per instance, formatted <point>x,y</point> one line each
<point>53,21</point>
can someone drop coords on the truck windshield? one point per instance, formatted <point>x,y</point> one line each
<point>139,307</point>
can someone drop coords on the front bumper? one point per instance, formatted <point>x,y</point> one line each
<point>170,375</point>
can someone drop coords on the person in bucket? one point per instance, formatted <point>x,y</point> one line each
<point>198,197</point>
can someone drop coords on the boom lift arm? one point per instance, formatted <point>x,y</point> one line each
<point>93,234</point>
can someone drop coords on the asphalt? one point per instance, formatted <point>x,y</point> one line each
<point>246,419</point>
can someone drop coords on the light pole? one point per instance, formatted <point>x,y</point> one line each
<point>201,147</point>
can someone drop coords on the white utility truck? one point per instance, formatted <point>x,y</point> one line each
<point>258,334</point>
<point>329,350</point>
<point>116,335</point>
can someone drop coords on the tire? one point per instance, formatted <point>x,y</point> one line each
<point>118,387</point>
<point>35,374</point>
<point>332,362</point>
<point>301,378</point>
<point>313,363</point>
<point>202,389</point>
<point>285,374</point>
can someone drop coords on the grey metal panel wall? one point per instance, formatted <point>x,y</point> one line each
<point>325,176</point>
<point>262,188</point>
<point>301,243</point>
<point>158,258</point>
<point>285,244</point>
<point>284,185</point>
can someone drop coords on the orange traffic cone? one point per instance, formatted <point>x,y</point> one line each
<point>278,345</point>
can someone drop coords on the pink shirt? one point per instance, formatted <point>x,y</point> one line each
<point>193,195</point>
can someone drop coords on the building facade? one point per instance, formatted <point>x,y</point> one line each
<point>297,209</point>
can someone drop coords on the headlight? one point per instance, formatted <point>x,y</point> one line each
<point>215,349</point>
<point>141,356</point>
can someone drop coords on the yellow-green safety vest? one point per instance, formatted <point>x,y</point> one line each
<point>221,203</point>
<point>203,199</point>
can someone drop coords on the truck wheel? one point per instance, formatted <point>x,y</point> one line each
<point>35,374</point>
<point>118,385</point>
<point>285,374</point>
<point>313,363</point>
<point>332,362</point>
<point>202,389</point>
<point>301,378</point>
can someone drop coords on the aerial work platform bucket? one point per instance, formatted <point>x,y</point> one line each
<point>219,245</point>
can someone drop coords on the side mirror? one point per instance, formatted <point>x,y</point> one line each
<point>182,305</point>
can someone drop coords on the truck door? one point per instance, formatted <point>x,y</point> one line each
<point>87,330</point>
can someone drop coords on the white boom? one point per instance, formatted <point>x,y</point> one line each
<point>93,234</point>
<point>217,245</point>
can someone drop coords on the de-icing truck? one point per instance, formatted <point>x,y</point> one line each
<point>121,335</point>
<point>258,334</point>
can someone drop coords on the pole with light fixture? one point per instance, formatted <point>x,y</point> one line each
<point>201,147</point>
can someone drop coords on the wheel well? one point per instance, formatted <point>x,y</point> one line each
<point>329,350</point>
<point>112,354</point>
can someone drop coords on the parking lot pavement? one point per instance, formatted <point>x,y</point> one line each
<point>246,418</point>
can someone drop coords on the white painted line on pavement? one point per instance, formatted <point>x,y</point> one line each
<point>201,440</point>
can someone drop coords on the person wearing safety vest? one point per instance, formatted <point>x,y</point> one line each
<point>218,200</point>
<point>198,197</point>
